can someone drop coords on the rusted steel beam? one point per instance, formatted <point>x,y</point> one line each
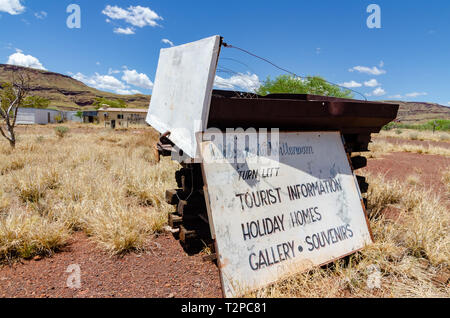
<point>300,113</point>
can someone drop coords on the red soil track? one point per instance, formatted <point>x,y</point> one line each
<point>165,272</point>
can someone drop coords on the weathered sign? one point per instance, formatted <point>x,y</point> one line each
<point>182,92</point>
<point>298,208</point>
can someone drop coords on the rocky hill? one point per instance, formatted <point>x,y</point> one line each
<point>66,93</point>
<point>418,112</point>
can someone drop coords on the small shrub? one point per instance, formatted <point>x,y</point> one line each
<point>414,136</point>
<point>61,131</point>
<point>31,184</point>
<point>12,163</point>
<point>122,229</point>
<point>40,139</point>
<point>444,137</point>
<point>58,119</point>
<point>4,202</point>
<point>398,131</point>
<point>413,180</point>
<point>446,178</point>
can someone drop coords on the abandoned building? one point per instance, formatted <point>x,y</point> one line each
<point>122,117</point>
<point>37,116</point>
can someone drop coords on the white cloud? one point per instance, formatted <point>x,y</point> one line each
<point>381,64</point>
<point>248,82</point>
<point>126,31</point>
<point>416,94</point>
<point>21,59</point>
<point>111,71</point>
<point>103,82</point>
<point>351,84</point>
<point>368,70</point>
<point>12,6</point>
<point>137,16</point>
<point>128,92</point>
<point>111,83</point>
<point>398,96</point>
<point>132,77</point>
<point>40,15</point>
<point>372,83</point>
<point>166,41</point>
<point>378,92</point>
<point>448,103</point>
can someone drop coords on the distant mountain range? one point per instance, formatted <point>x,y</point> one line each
<point>66,93</point>
<point>418,112</point>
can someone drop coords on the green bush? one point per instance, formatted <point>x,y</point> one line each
<point>101,102</point>
<point>288,84</point>
<point>61,131</point>
<point>438,125</point>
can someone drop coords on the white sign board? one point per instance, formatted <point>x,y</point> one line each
<point>286,216</point>
<point>182,92</point>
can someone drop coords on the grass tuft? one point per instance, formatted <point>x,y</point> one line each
<point>25,235</point>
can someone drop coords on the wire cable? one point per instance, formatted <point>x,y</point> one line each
<point>285,70</point>
<point>237,61</point>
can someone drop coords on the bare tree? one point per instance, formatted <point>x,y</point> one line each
<point>11,97</point>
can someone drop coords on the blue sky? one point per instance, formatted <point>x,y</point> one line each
<point>407,58</point>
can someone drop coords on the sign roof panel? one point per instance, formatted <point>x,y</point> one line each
<point>182,92</point>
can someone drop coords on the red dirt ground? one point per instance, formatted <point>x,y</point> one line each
<point>401,165</point>
<point>168,271</point>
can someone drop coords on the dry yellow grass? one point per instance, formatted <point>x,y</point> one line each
<point>416,135</point>
<point>25,234</point>
<point>446,179</point>
<point>102,182</point>
<point>409,255</point>
<point>379,147</point>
